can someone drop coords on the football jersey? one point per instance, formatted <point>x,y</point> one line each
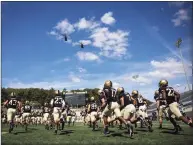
<point>12,103</point>
<point>110,95</point>
<point>46,110</point>
<point>170,94</point>
<point>93,107</point>
<point>58,101</point>
<point>27,109</point>
<point>126,97</point>
<point>140,101</point>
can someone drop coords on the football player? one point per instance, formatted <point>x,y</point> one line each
<point>46,113</point>
<point>93,110</point>
<point>88,117</point>
<point>13,105</point>
<point>126,106</point>
<point>26,109</point>
<point>110,100</point>
<point>73,117</point>
<point>161,105</point>
<point>172,97</point>
<point>58,104</point>
<point>69,116</point>
<point>141,104</point>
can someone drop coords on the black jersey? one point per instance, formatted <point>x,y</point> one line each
<point>140,101</point>
<point>58,101</point>
<point>93,107</point>
<point>69,113</point>
<point>12,103</point>
<point>46,110</point>
<point>27,109</point>
<point>170,94</point>
<point>126,97</point>
<point>110,95</point>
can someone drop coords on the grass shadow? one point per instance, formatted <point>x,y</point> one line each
<point>167,128</point>
<point>66,132</point>
<point>22,132</point>
<point>142,130</point>
<point>179,133</point>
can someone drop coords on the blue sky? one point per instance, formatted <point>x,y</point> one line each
<point>122,39</point>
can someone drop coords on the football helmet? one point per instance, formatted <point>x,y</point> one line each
<point>163,83</point>
<point>108,84</point>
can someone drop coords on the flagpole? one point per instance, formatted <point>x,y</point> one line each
<point>181,57</point>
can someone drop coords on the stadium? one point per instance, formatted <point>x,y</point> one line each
<point>81,134</point>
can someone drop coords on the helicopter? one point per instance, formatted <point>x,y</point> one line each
<point>65,37</point>
<point>81,45</point>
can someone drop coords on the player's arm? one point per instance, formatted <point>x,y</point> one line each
<point>121,102</point>
<point>63,104</point>
<point>5,103</point>
<point>177,95</point>
<point>88,108</point>
<point>19,106</point>
<point>52,102</point>
<point>103,103</point>
<point>163,94</point>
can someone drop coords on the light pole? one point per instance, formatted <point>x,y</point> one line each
<point>178,43</point>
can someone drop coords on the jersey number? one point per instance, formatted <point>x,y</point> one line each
<point>13,102</point>
<point>140,100</point>
<point>170,92</point>
<point>27,107</point>
<point>93,106</point>
<point>58,101</point>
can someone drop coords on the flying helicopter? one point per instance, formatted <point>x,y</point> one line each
<point>65,37</point>
<point>81,45</point>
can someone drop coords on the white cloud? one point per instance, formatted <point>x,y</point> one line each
<point>169,68</point>
<point>84,42</point>
<point>65,27</point>
<point>177,4</point>
<point>81,70</point>
<point>86,24</point>
<point>74,78</point>
<point>88,56</point>
<point>107,18</point>
<point>181,16</point>
<point>111,44</point>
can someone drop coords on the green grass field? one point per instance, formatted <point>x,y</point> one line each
<point>79,134</point>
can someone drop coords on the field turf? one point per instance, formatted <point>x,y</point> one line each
<point>80,134</point>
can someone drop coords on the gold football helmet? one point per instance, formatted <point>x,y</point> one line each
<point>163,83</point>
<point>12,94</point>
<point>99,92</point>
<point>134,92</point>
<point>120,89</point>
<point>92,98</point>
<point>156,92</point>
<point>108,84</point>
<point>27,102</point>
<point>57,92</point>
